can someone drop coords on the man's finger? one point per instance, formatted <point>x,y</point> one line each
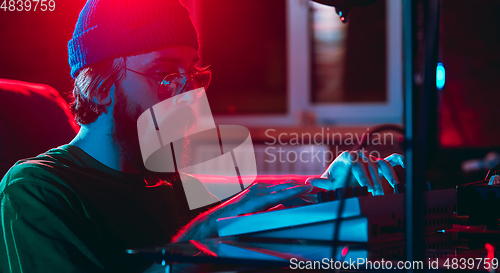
<point>377,184</point>
<point>285,194</point>
<point>281,186</point>
<point>360,170</point>
<point>339,167</point>
<point>277,207</point>
<point>373,170</point>
<point>395,160</point>
<point>323,183</point>
<point>388,172</point>
<point>268,187</point>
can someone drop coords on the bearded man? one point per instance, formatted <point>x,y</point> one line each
<point>77,207</point>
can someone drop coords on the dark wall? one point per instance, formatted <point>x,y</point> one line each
<point>243,41</point>
<point>470,36</point>
<point>33,48</point>
<point>33,44</point>
<point>245,44</point>
<point>365,68</point>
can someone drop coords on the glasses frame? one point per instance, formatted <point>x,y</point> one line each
<point>188,76</point>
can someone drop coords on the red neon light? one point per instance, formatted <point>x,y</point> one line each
<point>203,248</point>
<point>345,250</point>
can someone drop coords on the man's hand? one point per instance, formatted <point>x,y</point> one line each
<point>366,169</point>
<point>258,197</point>
<point>264,195</point>
<point>359,166</point>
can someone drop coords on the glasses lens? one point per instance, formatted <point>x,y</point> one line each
<point>175,84</point>
<point>171,85</point>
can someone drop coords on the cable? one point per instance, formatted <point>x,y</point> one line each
<point>338,221</point>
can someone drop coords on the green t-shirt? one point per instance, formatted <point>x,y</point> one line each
<point>64,211</point>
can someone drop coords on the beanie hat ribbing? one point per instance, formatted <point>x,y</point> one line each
<point>107,29</point>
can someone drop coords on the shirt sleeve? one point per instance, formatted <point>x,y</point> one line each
<point>40,232</point>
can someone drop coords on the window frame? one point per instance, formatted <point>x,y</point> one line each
<point>299,79</point>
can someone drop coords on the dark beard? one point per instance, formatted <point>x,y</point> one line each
<point>125,130</point>
<point>125,136</point>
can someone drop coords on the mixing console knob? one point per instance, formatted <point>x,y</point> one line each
<point>322,196</point>
<point>348,192</point>
<point>331,196</point>
<point>361,191</point>
<point>325,196</point>
<point>357,191</point>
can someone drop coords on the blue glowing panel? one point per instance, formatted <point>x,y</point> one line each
<point>440,76</point>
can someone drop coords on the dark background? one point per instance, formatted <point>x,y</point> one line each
<point>470,36</point>
<point>33,49</point>
<point>33,45</point>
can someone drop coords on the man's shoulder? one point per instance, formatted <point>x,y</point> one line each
<point>44,170</point>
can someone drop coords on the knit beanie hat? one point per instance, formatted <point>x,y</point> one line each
<point>107,29</point>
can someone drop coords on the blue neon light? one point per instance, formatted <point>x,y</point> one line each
<point>440,76</point>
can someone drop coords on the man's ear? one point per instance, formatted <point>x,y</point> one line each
<point>104,99</point>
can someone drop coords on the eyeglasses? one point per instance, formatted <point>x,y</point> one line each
<point>175,84</point>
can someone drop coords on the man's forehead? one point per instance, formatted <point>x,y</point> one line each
<point>182,55</point>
